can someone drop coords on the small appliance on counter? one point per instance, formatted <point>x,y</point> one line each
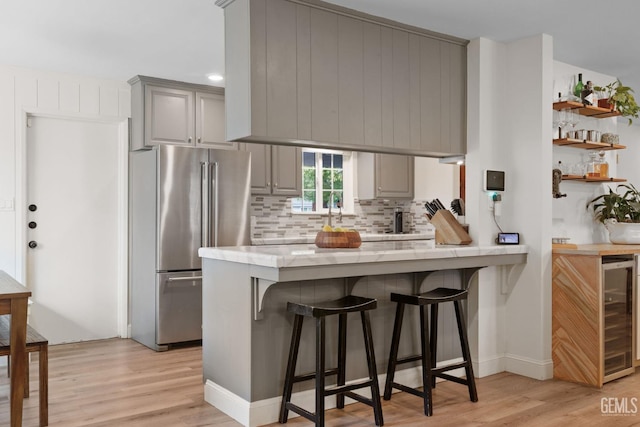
<point>398,220</point>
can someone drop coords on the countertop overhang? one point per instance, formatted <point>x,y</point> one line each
<point>306,255</point>
<point>268,265</point>
<point>365,237</point>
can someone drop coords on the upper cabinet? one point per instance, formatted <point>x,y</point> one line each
<point>385,176</point>
<point>316,74</point>
<point>275,170</point>
<point>168,112</point>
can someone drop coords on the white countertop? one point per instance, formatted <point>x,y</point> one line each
<point>305,255</point>
<point>372,237</point>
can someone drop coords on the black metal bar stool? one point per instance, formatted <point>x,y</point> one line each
<point>320,311</point>
<point>429,345</point>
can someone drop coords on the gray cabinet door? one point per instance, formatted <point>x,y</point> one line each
<point>350,87</point>
<point>457,99</point>
<point>210,119</point>
<point>168,116</point>
<point>286,170</point>
<point>324,76</point>
<point>394,176</point>
<point>260,167</point>
<point>443,96</point>
<point>280,56</point>
<point>372,84</point>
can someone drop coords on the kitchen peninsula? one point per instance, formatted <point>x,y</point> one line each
<point>246,328</point>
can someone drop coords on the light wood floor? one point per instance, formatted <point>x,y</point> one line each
<point>122,383</point>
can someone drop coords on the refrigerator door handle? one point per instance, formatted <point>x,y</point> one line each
<point>206,205</point>
<point>184,279</point>
<point>216,209</point>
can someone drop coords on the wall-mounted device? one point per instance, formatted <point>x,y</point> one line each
<point>508,239</point>
<point>493,180</point>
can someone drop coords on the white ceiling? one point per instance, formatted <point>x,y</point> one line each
<point>184,39</point>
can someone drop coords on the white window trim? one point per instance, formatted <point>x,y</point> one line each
<point>348,183</point>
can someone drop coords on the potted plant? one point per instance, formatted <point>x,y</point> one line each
<point>620,98</point>
<point>619,211</point>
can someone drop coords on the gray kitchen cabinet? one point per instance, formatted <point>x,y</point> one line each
<point>275,170</point>
<point>169,112</point>
<point>385,176</point>
<point>313,73</point>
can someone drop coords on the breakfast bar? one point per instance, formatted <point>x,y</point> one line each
<point>246,328</point>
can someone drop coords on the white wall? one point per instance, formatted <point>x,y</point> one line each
<point>28,91</point>
<point>509,120</point>
<point>435,180</point>
<point>486,302</point>
<point>629,159</point>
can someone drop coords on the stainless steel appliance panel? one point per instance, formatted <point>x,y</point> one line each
<point>231,195</point>
<point>179,311</point>
<point>179,207</point>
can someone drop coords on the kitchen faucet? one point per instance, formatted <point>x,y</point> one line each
<point>339,209</point>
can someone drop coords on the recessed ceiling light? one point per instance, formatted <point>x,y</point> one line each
<point>215,77</point>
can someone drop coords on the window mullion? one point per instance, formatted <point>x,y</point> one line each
<point>319,189</point>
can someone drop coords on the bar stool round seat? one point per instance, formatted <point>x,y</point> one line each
<point>319,311</point>
<point>428,345</point>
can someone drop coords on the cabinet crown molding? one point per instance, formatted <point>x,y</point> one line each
<point>175,84</point>
<point>224,3</point>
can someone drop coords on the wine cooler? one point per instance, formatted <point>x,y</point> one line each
<point>619,277</point>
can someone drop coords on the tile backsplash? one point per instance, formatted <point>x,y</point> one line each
<point>271,217</point>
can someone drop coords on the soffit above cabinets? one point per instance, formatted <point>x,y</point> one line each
<point>319,75</point>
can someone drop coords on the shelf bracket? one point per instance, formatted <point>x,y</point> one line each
<point>350,283</point>
<point>259,288</point>
<point>418,279</point>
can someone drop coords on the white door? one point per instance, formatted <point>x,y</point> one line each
<point>72,197</point>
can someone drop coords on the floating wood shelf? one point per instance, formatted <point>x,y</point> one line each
<point>583,178</point>
<point>586,110</point>
<point>587,145</point>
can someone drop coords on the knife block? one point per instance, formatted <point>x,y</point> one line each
<point>448,230</point>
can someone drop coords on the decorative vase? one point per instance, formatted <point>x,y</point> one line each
<point>623,233</point>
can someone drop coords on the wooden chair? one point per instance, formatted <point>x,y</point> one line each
<point>35,342</point>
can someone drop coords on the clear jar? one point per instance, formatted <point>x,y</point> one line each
<point>603,166</point>
<point>593,166</point>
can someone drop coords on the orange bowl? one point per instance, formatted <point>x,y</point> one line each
<point>338,239</point>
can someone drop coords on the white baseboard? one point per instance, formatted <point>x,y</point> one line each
<point>487,367</point>
<point>539,370</point>
<point>252,414</point>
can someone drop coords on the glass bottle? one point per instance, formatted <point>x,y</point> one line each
<point>603,165</point>
<point>593,166</point>
<point>577,90</point>
<point>587,94</point>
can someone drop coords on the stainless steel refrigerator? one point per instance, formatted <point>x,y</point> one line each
<point>180,199</point>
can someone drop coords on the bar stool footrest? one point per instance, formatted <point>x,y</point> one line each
<point>301,411</point>
<point>453,366</point>
<point>407,389</point>
<point>407,359</point>
<point>360,398</point>
<point>452,378</point>
<point>312,376</point>
<point>331,390</point>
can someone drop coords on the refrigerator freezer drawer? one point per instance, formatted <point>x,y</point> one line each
<point>179,312</point>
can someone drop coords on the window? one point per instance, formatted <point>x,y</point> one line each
<point>323,173</point>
